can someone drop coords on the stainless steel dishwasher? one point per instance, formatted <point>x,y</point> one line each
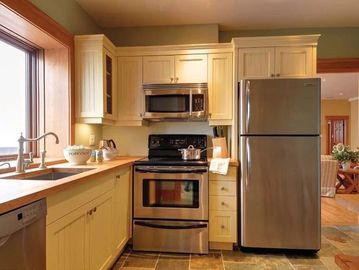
<point>22,237</point>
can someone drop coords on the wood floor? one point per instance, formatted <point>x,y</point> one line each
<point>341,210</point>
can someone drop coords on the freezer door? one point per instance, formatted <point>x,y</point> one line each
<point>285,106</point>
<point>280,192</point>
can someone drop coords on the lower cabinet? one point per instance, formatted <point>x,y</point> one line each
<point>88,226</point>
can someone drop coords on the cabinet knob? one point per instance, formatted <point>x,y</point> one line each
<point>176,79</point>
<point>89,212</point>
<point>118,177</point>
<point>171,79</point>
<point>94,210</point>
<point>272,75</point>
<point>223,188</point>
<point>222,203</point>
<point>222,227</point>
<point>209,115</point>
<point>140,114</point>
<point>278,75</point>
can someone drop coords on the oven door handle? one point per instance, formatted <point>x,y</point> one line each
<point>170,227</point>
<point>170,170</point>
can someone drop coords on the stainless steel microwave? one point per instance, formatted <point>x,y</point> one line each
<point>176,101</point>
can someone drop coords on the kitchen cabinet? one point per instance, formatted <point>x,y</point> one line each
<point>88,225</point>
<point>223,208</point>
<point>187,68</point>
<point>122,208</point>
<point>276,62</point>
<point>220,88</point>
<point>95,80</point>
<point>130,96</point>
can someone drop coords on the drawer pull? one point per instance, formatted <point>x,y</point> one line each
<point>89,213</point>
<point>222,226</point>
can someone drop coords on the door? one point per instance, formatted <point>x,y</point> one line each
<point>220,86</point>
<point>100,227</point>
<point>337,131</point>
<point>256,63</point>
<point>66,242</point>
<point>191,68</point>
<point>294,62</point>
<point>288,106</point>
<point>280,192</point>
<point>130,93</point>
<point>122,209</point>
<point>158,69</point>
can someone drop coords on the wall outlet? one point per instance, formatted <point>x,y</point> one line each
<point>92,140</point>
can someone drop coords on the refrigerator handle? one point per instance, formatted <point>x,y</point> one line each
<point>248,105</point>
<point>248,162</point>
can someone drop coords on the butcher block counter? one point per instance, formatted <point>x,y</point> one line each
<point>15,193</point>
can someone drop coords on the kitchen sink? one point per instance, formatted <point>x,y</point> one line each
<point>49,174</point>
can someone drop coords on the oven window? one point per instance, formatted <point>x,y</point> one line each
<point>167,103</point>
<point>169,193</point>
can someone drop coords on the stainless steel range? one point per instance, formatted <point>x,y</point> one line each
<point>170,199</point>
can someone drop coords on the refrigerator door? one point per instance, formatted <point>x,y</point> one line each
<point>280,192</point>
<point>285,106</point>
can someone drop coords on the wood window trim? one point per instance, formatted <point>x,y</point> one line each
<point>338,65</point>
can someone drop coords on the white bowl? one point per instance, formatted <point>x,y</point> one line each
<point>77,156</point>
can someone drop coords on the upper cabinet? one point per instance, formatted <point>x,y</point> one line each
<point>130,97</point>
<point>95,79</point>
<point>220,88</point>
<point>277,57</point>
<point>187,68</point>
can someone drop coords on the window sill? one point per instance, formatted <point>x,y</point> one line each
<point>37,161</point>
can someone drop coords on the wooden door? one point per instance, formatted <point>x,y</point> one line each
<point>256,63</point>
<point>158,69</point>
<point>293,62</point>
<point>130,94</point>
<point>337,131</point>
<point>220,87</point>
<point>66,242</point>
<point>100,232</point>
<point>191,68</point>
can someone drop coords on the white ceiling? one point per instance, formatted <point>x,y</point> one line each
<point>229,14</point>
<point>339,85</point>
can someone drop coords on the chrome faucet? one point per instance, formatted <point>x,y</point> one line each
<point>6,163</point>
<point>22,163</point>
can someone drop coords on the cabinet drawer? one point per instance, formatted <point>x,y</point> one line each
<point>222,226</point>
<point>63,202</point>
<point>223,203</point>
<point>222,188</point>
<point>231,175</point>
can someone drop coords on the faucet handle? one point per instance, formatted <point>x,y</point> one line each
<point>31,157</point>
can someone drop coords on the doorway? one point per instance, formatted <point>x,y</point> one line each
<point>337,131</point>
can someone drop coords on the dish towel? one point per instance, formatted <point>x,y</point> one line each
<point>219,165</point>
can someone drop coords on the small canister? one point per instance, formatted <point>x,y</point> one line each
<point>93,156</point>
<point>99,156</point>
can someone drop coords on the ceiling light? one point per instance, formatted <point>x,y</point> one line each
<point>340,94</point>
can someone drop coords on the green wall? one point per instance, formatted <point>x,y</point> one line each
<point>333,43</point>
<point>163,35</point>
<point>70,15</point>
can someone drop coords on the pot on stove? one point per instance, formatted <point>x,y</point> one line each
<point>191,153</point>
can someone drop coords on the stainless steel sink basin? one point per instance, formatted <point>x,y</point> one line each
<point>49,174</point>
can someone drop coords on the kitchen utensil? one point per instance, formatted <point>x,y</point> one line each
<point>109,149</point>
<point>191,153</point>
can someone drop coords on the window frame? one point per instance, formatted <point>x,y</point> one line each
<point>31,92</point>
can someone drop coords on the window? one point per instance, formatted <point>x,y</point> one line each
<point>18,96</point>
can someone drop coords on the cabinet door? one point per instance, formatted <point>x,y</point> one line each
<point>191,68</point>
<point>294,62</point>
<point>220,86</point>
<point>222,226</point>
<point>100,231</point>
<point>66,242</point>
<point>122,209</point>
<point>158,69</point>
<point>130,94</point>
<point>109,81</point>
<point>256,63</point>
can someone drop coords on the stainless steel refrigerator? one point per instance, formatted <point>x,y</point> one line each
<point>280,163</point>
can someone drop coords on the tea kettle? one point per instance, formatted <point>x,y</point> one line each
<point>109,149</point>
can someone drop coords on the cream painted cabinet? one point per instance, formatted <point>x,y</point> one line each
<point>82,239</point>
<point>130,97</point>
<point>276,62</point>
<point>220,88</point>
<point>223,208</point>
<point>122,209</point>
<point>188,68</point>
<point>95,77</point>
<point>255,63</point>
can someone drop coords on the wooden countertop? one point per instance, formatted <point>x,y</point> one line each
<point>14,192</point>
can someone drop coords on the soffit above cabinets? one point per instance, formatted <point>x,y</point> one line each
<point>228,14</point>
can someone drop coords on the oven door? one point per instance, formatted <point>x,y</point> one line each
<point>163,192</point>
<point>161,104</point>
